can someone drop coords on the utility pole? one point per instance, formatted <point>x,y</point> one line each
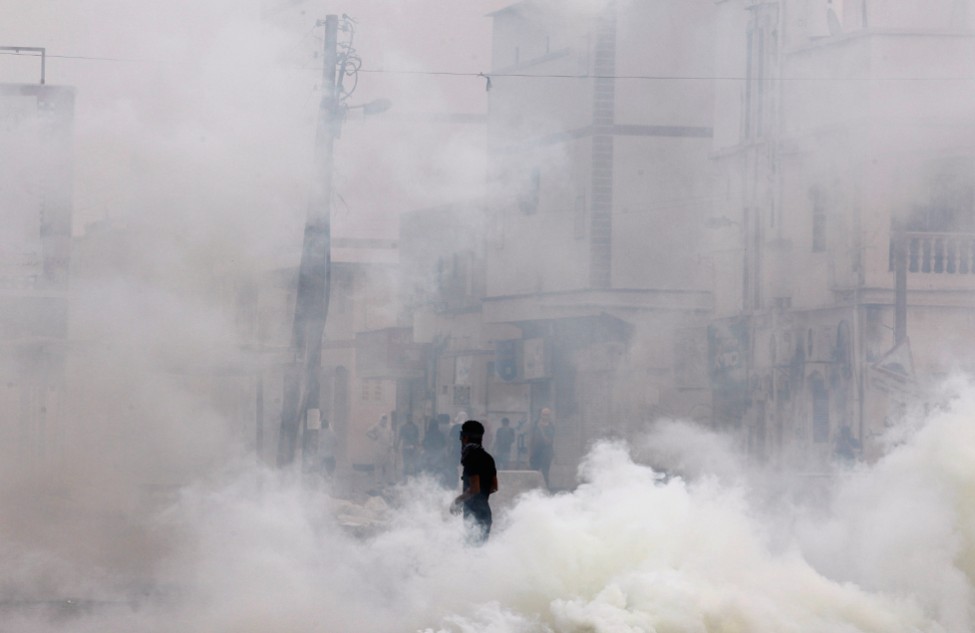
<point>300,408</point>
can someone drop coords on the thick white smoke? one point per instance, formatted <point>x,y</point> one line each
<point>203,158</point>
<point>889,549</point>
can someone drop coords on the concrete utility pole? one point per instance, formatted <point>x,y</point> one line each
<point>300,402</point>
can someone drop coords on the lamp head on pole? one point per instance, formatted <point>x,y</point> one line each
<point>376,106</point>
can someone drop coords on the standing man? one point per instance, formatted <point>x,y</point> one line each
<point>847,447</point>
<point>504,438</point>
<point>433,449</point>
<point>480,481</point>
<point>326,447</point>
<point>408,443</point>
<point>543,444</point>
<point>382,436</point>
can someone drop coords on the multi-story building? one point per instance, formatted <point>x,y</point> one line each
<point>837,126</point>
<point>691,213</point>
<point>35,244</point>
<point>599,138</point>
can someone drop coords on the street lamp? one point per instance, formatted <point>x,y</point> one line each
<point>376,106</point>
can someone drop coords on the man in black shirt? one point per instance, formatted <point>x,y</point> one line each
<point>480,480</point>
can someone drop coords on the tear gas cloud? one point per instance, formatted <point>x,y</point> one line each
<point>192,156</point>
<point>887,548</point>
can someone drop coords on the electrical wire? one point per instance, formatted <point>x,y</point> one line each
<point>515,75</point>
<point>650,77</point>
<point>134,60</point>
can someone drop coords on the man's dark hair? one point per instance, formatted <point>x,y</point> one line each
<point>473,429</point>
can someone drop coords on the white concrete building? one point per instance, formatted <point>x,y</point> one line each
<point>835,123</point>
<point>600,132</point>
<point>36,171</point>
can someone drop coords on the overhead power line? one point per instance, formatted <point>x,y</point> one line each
<point>517,75</point>
<point>95,58</point>
<point>650,77</point>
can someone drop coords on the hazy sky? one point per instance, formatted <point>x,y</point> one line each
<point>223,69</point>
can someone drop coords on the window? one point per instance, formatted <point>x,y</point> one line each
<point>820,409</point>
<point>938,229</point>
<point>462,395</point>
<point>948,198</point>
<point>372,390</point>
<point>456,278</point>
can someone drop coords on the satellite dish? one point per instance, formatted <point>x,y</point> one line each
<point>835,26</point>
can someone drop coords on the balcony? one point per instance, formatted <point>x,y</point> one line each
<point>939,253</point>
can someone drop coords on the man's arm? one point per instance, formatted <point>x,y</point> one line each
<point>472,489</point>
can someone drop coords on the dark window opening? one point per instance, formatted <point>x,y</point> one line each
<point>820,410</point>
<point>948,199</point>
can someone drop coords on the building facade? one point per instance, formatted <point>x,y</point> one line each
<point>694,211</point>
<point>36,124</point>
<point>585,307</point>
<point>354,392</point>
<point>829,155</point>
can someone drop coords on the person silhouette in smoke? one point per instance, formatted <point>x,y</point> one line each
<point>382,436</point>
<point>543,444</point>
<point>433,449</point>
<point>847,447</point>
<point>326,448</point>
<point>480,481</point>
<point>504,439</point>
<point>408,442</point>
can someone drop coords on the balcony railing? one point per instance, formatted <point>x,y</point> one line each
<point>939,253</point>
